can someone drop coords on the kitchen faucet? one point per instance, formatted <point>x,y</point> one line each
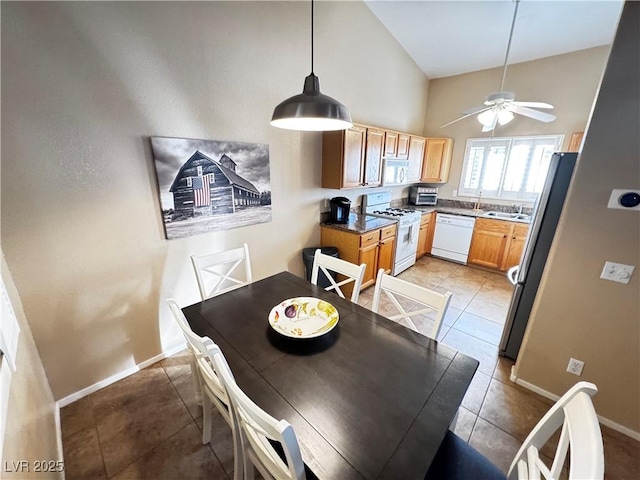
<point>520,207</point>
<point>477,205</point>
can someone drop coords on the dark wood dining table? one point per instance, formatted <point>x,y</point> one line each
<point>369,399</point>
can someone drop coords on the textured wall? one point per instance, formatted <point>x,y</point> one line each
<point>84,84</point>
<point>569,82</point>
<point>30,431</point>
<point>576,314</point>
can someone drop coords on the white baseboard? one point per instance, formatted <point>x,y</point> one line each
<point>604,421</point>
<point>63,402</point>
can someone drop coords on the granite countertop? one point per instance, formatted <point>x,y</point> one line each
<point>466,212</point>
<point>360,223</point>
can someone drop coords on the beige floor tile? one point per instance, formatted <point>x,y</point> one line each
<point>513,410</point>
<point>503,370</point>
<point>186,388</point>
<point>490,311</point>
<point>479,327</point>
<point>459,299</point>
<point>621,455</point>
<point>464,423</point>
<point>495,444</point>
<point>221,440</point>
<point>496,295</point>
<point>476,392</point>
<point>76,416</point>
<point>177,365</point>
<point>180,456</point>
<point>136,414</point>
<point>482,351</point>
<point>82,455</point>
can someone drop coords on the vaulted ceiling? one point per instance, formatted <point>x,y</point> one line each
<point>449,37</point>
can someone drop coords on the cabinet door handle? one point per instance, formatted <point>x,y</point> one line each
<point>513,238</point>
<point>504,236</point>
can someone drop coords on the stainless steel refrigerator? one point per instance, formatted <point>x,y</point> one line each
<point>534,257</point>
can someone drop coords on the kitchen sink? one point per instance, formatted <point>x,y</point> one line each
<point>515,217</point>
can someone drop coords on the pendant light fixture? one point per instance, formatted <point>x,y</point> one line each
<point>311,110</point>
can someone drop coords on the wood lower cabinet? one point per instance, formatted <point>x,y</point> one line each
<point>516,246</point>
<point>437,160</point>
<point>497,244</point>
<point>425,237</point>
<point>375,249</point>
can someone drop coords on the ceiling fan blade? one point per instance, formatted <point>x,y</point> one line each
<point>464,116</point>
<point>478,109</point>
<point>533,104</point>
<point>531,113</point>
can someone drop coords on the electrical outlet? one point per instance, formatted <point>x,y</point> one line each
<point>454,193</point>
<point>575,366</point>
<point>326,203</point>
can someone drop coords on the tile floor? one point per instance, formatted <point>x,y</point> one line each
<point>149,426</point>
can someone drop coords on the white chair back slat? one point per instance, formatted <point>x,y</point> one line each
<point>580,436</point>
<point>217,273</point>
<point>395,287</point>
<point>256,428</point>
<point>209,384</point>
<point>327,264</point>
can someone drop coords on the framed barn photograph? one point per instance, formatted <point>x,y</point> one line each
<point>210,185</point>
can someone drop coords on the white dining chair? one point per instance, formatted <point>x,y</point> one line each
<point>397,289</point>
<point>257,430</point>
<point>327,263</point>
<point>217,273</point>
<point>573,415</point>
<point>210,388</point>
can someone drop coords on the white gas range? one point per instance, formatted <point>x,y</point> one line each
<point>379,205</point>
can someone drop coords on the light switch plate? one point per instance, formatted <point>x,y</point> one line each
<point>617,272</point>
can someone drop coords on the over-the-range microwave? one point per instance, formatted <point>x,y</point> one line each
<point>419,195</point>
<point>394,171</point>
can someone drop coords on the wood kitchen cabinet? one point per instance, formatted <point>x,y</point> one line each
<point>497,244</point>
<point>416,158</point>
<point>575,142</point>
<point>425,237</point>
<point>396,144</point>
<point>375,248</point>
<point>516,245</point>
<point>437,160</point>
<point>352,158</point>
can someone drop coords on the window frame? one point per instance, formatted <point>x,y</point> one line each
<point>508,143</point>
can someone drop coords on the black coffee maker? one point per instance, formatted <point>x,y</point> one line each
<point>340,207</point>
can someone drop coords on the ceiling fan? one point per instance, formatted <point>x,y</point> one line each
<point>499,107</point>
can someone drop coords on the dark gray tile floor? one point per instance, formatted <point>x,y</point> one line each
<point>149,425</point>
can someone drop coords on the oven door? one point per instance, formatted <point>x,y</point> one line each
<point>426,199</point>
<point>406,247</point>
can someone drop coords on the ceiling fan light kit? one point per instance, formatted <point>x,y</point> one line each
<point>499,107</point>
<point>311,110</point>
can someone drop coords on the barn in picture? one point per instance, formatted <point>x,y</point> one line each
<point>209,185</point>
<point>204,186</point>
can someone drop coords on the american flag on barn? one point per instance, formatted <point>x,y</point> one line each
<point>204,186</point>
<point>201,192</point>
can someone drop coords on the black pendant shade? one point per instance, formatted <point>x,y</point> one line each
<point>311,110</point>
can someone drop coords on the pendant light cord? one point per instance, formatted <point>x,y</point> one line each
<point>312,36</point>
<point>506,57</point>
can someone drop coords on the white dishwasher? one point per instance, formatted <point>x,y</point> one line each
<point>452,237</point>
